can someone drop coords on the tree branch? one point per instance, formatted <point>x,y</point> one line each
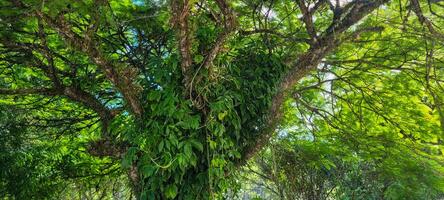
<point>75,94</point>
<point>424,20</point>
<point>181,12</point>
<point>91,102</point>
<point>273,32</point>
<point>28,91</point>
<point>307,18</point>
<point>90,47</point>
<point>229,27</point>
<point>307,62</point>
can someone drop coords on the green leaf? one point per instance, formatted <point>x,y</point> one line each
<point>148,170</point>
<point>129,157</point>
<point>196,144</point>
<point>173,139</point>
<point>222,115</point>
<point>198,58</point>
<point>187,149</point>
<point>171,191</point>
<point>160,147</point>
<point>213,144</point>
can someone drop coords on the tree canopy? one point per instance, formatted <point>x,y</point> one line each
<point>221,99</point>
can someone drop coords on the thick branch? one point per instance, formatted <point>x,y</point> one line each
<point>353,12</point>
<point>91,102</point>
<point>123,83</point>
<point>307,18</point>
<point>308,62</point>
<point>425,21</point>
<point>229,26</point>
<point>99,148</point>
<point>181,12</point>
<point>75,94</point>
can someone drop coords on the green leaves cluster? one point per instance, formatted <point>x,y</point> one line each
<point>366,123</point>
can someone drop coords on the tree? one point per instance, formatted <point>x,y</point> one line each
<point>178,95</point>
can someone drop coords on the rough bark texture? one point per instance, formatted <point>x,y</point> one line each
<point>181,12</point>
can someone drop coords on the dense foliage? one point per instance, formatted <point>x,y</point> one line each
<point>181,99</point>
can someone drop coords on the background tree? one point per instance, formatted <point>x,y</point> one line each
<point>178,95</point>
